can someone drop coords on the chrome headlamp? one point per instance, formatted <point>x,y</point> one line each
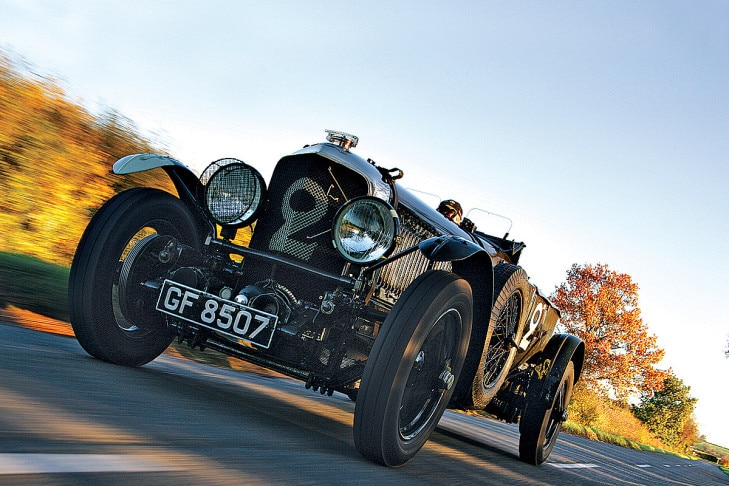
<point>234,192</point>
<point>365,229</point>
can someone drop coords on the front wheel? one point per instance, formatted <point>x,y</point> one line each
<point>112,317</point>
<point>410,373</point>
<point>542,419</point>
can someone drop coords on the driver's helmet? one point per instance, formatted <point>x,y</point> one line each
<point>451,209</point>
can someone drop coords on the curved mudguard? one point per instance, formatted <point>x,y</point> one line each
<point>551,364</point>
<point>448,248</point>
<point>185,179</point>
<point>470,261</point>
<point>473,263</point>
<point>564,348</point>
<point>142,162</point>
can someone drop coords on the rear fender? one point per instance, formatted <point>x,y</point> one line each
<point>560,350</point>
<point>551,364</point>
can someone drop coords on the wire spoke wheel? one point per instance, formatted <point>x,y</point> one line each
<point>501,344</point>
<point>506,326</point>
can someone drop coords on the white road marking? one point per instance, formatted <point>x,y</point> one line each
<point>79,463</point>
<point>579,466</point>
<point>571,466</point>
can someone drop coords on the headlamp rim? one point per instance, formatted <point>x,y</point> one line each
<point>226,164</point>
<point>388,209</point>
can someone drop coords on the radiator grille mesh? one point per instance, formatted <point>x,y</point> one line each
<point>304,195</point>
<point>396,277</point>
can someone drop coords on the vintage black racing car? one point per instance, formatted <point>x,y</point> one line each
<point>349,283</point>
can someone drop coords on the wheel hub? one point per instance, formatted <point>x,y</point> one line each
<point>147,258</point>
<point>447,379</point>
<point>563,415</point>
<point>419,360</point>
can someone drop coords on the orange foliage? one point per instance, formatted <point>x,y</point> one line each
<point>594,410</point>
<point>600,306</point>
<point>55,161</point>
<point>39,322</point>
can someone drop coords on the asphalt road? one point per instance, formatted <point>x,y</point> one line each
<point>66,418</point>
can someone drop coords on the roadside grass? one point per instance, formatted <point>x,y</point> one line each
<point>594,411</point>
<point>573,428</point>
<point>33,293</point>
<point>32,284</point>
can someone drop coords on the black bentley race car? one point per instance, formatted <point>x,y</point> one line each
<point>349,283</point>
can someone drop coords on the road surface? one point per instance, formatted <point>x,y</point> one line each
<point>67,418</point>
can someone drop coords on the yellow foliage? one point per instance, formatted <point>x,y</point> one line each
<point>592,410</point>
<point>55,163</point>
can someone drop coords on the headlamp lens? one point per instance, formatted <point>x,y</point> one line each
<point>365,229</point>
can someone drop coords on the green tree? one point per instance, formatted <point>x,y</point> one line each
<point>600,307</point>
<point>668,411</point>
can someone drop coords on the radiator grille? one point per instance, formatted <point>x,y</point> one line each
<point>304,195</point>
<point>395,278</point>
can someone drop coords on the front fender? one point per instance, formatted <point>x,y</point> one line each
<point>474,264</point>
<point>186,180</point>
<point>448,248</point>
<point>142,162</point>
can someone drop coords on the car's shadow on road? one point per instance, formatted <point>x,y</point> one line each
<point>221,419</point>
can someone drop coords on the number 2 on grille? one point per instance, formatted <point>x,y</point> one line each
<point>298,220</point>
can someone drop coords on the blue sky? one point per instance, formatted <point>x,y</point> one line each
<point>599,128</point>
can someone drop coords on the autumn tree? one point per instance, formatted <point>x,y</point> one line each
<point>55,163</point>
<point>600,307</point>
<point>689,435</point>
<point>667,413</point>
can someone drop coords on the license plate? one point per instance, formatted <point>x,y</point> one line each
<point>207,310</point>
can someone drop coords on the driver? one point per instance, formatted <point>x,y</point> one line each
<point>452,210</point>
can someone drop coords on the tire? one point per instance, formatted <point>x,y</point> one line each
<point>410,373</point>
<point>542,420</point>
<point>508,315</point>
<point>99,316</point>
